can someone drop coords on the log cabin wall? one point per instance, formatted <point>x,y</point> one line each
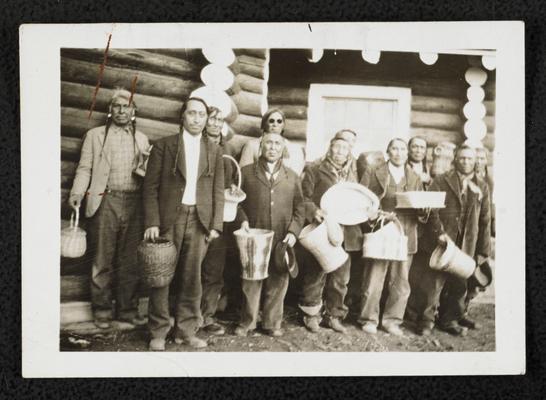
<point>438,91</point>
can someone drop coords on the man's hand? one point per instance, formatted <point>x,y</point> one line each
<point>75,201</point>
<point>152,233</point>
<point>245,227</point>
<point>290,238</point>
<point>319,216</point>
<point>443,238</point>
<point>425,178</point>
<point>214,234</point>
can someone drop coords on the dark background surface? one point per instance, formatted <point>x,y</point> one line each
<point>532,385</point>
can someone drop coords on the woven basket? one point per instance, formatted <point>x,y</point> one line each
<point>157,261</point>
<point>73,239</point>
<point>387,243</point>
<point>231,202</point>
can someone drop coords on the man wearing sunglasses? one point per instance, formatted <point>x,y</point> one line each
<point>274,121</point>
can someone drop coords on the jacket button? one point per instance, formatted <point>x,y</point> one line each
<point>272,190</point>
<point>272,203</point>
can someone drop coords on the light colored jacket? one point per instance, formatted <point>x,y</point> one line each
<point>94,167</point>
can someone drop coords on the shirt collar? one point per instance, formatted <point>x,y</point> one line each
<point>394,169</point>
<point>189,137</point>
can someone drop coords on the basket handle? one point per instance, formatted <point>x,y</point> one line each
<point>236,166</point>
<point>75,219</point>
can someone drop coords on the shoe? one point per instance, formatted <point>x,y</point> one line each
<point>215,329</point>
<point>455,330</point>
<point>468,323</point>
<point>311,323</point>
<point>240,331</point>
<point>157,344</point>
<point>136,321</point>
<point>192,341</point>
<point>424,331</point>
<point>274,332</point>
<point>393,329</point>
<point>336,325</point>
<point>103,323</point>
<point>370,328</point>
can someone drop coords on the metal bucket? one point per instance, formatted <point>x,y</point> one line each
<point>315,239</point>
<point>254,251</point>
<point>452,260</point>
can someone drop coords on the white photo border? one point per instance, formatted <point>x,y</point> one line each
<point>40,165</point>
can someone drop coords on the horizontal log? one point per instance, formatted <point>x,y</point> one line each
<point>288,95</point>
<point>139,59</point>
<point>249,83</point>
<point>436,104</point>
<point>77,266</point>
<point>80,96</point>
<point>295,129</point>
<point>75,288</point>
<point>259,53</point>
<point>293,111</point>
<point>248,103</point>
<point>435,136</point>
<point>490,123</point>
<point>247,59</point>
<point>193,55</point>
<point>74,123</point>
<point>236,143</point>
<point>234,89</point>
<point>422,119</point>
<point>255,71</point>
<point>68,171</point>
<point>148,83</point>
<point>247,125</point>
<point>490,90</point>
<point>70,148</point>
<point>489,107</point>
<point>489,141</point>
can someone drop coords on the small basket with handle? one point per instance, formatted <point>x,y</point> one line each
<point>157,261</point>
<point>73,238</point>
<point>232,200</point>
<point>386,243</point>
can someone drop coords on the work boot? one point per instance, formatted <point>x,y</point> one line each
<point>393,329</point>
<point>336,325</point>
<point>215,329</point>
<point>468,323</point>
<point>273,332</point>
<point>157,344</point>
<point>103,323</point>
<point>241,331</point>
<point>311,323</point>
<point>423,331</point>
<point>369,327</point>
<point>455,330</point>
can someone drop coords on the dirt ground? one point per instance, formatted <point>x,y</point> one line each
<point>297,338</point>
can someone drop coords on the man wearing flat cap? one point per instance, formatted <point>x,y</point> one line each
<point>274,201</point>
<point>108,178</point>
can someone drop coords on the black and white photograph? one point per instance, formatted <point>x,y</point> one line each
<point>332,194</point>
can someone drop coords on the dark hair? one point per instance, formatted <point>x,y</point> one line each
<point>424,160</point>
<point>418,138</point>
<point>463,147</point>
<point>185,106</point>
<point>266,116</point>
<point>396,139</point>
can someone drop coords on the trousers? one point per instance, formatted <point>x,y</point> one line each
<point>387,279</point>
<point>115,232</point>
<point>212,274</point>
<point>189,237</point>
<point>333,285</point>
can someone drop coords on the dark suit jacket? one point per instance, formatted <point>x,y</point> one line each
<point>279,208</point>
<point>474,224</point>
<point>317,180</point>
<point>164,184</point>
<point>377,180</point>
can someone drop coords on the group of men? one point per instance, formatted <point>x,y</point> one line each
<point>181,197</point>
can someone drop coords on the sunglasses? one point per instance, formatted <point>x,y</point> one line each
<point>271,121</point>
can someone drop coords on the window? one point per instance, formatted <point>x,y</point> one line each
<point>375,113</point>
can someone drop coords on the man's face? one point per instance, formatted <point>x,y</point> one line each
<point>272,147</point>
<point>465,161</point>
<point>214,124</point>
<point>275,123</point>
<point>398,153</point>
<point>339,151</point>
<point>481,161</point>
<point>417,150</point>
<point>195,117</point>
<point>121,111</point>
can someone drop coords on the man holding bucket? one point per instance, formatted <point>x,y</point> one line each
<point>183,196</point>
<point>107,177</point>
<point>466,220</point>
<point>274,202</point>
<point>336,167</point>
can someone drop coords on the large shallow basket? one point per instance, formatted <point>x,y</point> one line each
<point>387,243</point>
<point>420,199</point>
<point>230,201</point>
<point>349,203</point>
<point>315,239</point>
<point>73,238</point>
<point>449,258</point>
<point>157,261</point>
<point>255,251</point>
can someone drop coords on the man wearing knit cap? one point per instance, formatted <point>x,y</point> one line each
<point>107,178</point>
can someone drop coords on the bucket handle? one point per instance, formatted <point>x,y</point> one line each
<point>381,220</point>
<point>236,166</point>
<point>74,219</point>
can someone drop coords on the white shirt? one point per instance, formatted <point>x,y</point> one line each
<point>270,169</point>
<point>192,147</point>
<point>396,172</point>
